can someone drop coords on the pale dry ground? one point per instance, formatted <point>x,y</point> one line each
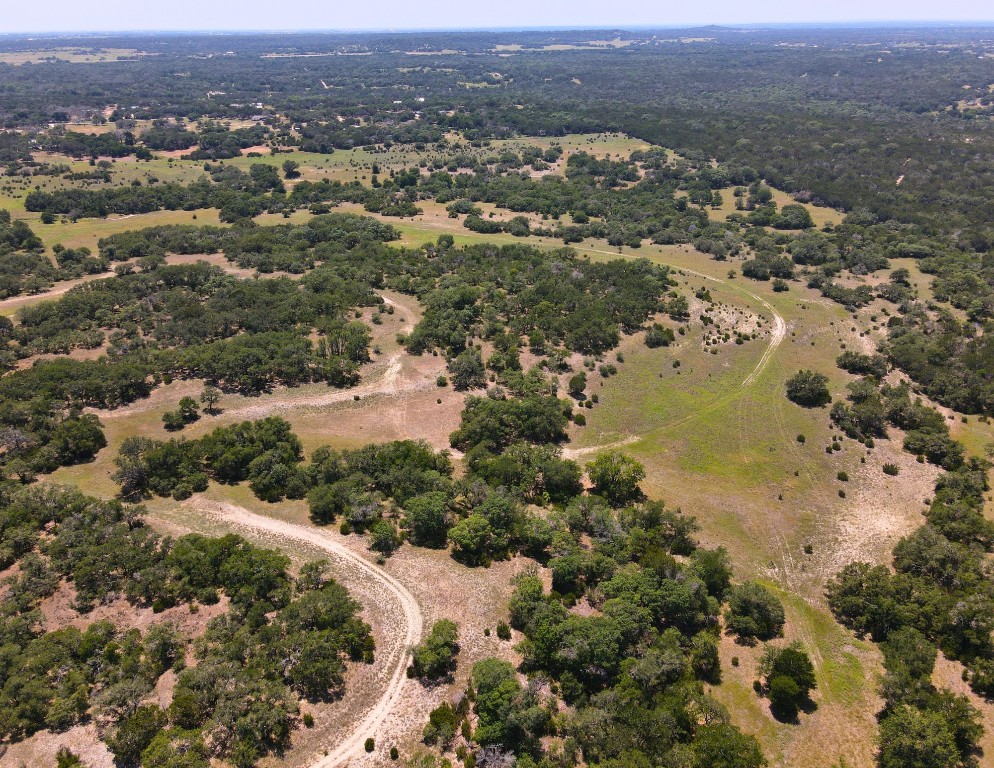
<point>949,674</point>
<point>397,398</point>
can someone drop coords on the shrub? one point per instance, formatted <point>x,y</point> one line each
<point>891,469</point>
<point>370,745</point>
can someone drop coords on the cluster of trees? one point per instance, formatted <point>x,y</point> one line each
<point>24,268</point>
<point>938,598</point>
<point>869,408</point>
<point>265,452</point>
<point>291,248</point>
<point>939,594</point>
<point>953,361</point>
<point>93,145</point>
<point>645,647</point>
<point>504,294</point>
<point>239,684</point>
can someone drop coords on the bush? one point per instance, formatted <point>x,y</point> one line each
<point>370,745</point>
<point>503,630</point>
<point>658,336</point>
<point>891,469</point>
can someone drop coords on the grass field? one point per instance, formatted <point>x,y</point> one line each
<point>70,55</point>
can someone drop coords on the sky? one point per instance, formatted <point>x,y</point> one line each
<point>117,15</point>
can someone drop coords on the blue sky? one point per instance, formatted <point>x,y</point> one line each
<point>106,15</point>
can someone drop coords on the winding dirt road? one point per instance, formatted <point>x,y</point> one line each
<point>777,335</point>
<point>393,651</point>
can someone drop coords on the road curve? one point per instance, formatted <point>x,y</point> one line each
<point>777,335</point>
<point>350,745</point>
<point>779,324</point>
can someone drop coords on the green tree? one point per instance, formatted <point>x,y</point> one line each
<point>471,540</point>
<point>467,370</point>
<point>616,477</point>
<point>914,738</point>
<point>210,397</point>
<point>720,745</point>
<point>133,734</point>
<point>435,656</point>
<point>790,678</point>
<point>808,389</point>
<point>754,612</point>
<point>427,518</point>
<point>384,537</point>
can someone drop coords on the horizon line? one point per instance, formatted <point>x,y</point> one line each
<point>772,25</point>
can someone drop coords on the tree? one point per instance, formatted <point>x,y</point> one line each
<point>135,733</point>
<point>616,477</point>
<point>471,540</point>
<point>210,397</point>
<point>467,370</point>
<point>808,389</point>
<point>785,697</point>
<point>290,169</point>
<point>720,745</point>
<point>188,409</point>
<point>442,724</point>
<point>384,537</point>
<point>714,568</point>
<point>790,677</point>
<point>435,656</point>
<point>427,518</point>
<point>915,738</point>
<point>754,612</point>
<point>577,385</point>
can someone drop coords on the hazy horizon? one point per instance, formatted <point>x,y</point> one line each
<point>116,16</point>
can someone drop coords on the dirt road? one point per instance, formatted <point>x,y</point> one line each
<point>393,651</point>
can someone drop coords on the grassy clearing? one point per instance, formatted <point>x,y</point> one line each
<point>819,214</point>
<point>70,55</point>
